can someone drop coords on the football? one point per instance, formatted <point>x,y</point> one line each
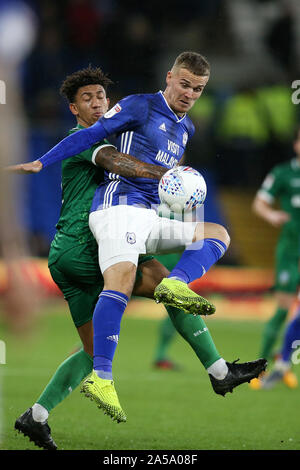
<point>182,188</point>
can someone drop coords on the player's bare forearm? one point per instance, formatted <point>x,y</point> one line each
<point>265,210</point>
<point>126,165</point>
<point>25,168</point>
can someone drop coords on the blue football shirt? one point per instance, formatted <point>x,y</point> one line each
<point>147,128</point>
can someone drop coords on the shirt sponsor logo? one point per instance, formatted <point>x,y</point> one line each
<point>172,147</point>
<point>116,109</point>
<point>165,158</point>
<point>295,201</point>
<point>295,182</point>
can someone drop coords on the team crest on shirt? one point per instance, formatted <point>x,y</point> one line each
<point>184,138</point>
<point>131,238</point>
<point>116,109</point>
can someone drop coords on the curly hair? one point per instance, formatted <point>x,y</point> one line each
<point>83,77</point>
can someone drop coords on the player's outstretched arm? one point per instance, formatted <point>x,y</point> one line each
<point>126,165</point>
<point>25,168</point>
<point>74,144</point>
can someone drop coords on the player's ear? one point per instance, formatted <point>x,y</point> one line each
<point>73,109</point>
<point>108,102</point>
<point>168,77</point>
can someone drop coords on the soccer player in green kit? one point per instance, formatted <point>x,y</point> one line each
<point>282,184</point>
<point>73,258</point>
<point>166,331</point>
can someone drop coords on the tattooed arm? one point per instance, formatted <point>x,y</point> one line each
<point>126,165</point>
<point>109,158</point>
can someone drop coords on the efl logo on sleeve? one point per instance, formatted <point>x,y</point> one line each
<point>116,109</point>
<point>2,92</point>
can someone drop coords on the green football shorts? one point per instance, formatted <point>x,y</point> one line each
<point>76,272</point>
<point>287,277</point>
<point>169,260</point>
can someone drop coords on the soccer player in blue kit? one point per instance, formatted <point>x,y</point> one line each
<point>155,129</point>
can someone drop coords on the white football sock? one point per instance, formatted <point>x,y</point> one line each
<point>218,369</point>
<point>282,366</point>
<point>39,413</point>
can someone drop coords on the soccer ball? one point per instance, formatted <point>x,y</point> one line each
<point>182,188</point>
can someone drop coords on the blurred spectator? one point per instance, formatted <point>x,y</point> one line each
<point>83,21</point>
<point>242,135</point>
<point>281,38</point>
<point>282,120</point>
<point>45,66</point>
<point>201,147</point>
<point>132,48</point>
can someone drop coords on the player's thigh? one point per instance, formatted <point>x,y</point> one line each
<point>169,235</point>
<point>78,276</point>
<point>79,265</point>
<point>121,233</point>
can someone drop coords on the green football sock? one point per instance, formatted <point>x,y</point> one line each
<point>195,332</point>
<point>166,334</point>
<point>66,378</point>
<point>271,331</point>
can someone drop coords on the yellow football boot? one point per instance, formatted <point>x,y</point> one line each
<point>290,379</point>
<point>178,294</point>
<point>257,383</point>
<point>103,393</point>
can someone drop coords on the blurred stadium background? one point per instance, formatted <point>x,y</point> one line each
<point>245,122</point>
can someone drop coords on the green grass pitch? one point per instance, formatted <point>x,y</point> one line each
<point>166,410</point>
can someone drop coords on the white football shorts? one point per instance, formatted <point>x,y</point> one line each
<point>124,232</point>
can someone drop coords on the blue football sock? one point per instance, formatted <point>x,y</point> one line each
<point>106,323</point>
<point>197,259</point>
<point>292,334</point>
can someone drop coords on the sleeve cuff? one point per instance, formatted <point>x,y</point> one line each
<point>97,150</point>
<point>267,197</point>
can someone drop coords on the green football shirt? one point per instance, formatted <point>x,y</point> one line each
<point>283,184</point>
<point>80,178</point>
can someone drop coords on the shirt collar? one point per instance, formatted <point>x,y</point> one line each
<point>178,119</point>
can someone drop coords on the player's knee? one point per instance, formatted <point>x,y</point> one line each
<point>120,277</point>
<point>212,230</point>
<point>222,234</point>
